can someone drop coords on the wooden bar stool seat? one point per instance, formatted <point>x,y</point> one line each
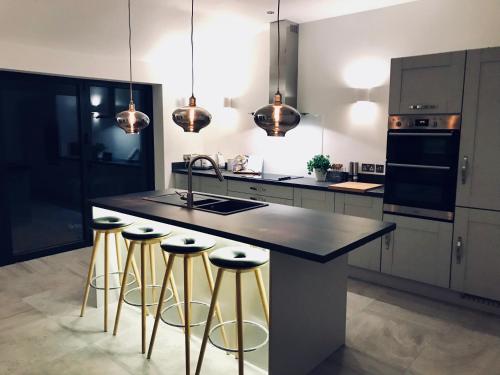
<point>106,226</point>
<point>146,236</point>
<point>238,260</point>
<point>186,247</point>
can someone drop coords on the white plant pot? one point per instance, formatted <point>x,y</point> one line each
<point>320,175</point>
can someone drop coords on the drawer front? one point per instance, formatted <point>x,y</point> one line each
<point>267,190</point>
<point>261,198</point>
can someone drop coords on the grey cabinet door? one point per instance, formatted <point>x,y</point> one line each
<point>212,185</point>
<point>367,256</point>
<point>314,199</point>
<point>478,182</point>
<point>427,84</point>
<point>418,250</point>
<point>476,253</point>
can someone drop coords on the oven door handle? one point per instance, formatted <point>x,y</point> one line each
<point>426,134</point>
<point>439,167</point>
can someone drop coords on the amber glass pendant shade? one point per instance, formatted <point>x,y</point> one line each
<point>277,118</point>
<point>191,118</point>
<point>132,121</point>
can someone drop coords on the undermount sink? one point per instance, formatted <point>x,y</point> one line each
<point>204,202</point>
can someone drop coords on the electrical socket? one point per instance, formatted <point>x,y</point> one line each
<point>379,168</point>
<point>368,168</point>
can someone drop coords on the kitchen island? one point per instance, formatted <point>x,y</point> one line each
<point>308,267</point>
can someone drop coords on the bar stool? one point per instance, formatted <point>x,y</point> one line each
<point>186,247</point>
<point>106,226</point>
<point>145,236</point>
<point>239,260</point>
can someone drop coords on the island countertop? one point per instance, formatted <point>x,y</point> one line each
<point>300,232</point>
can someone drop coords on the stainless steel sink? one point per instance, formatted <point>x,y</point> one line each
<point>204,202</point>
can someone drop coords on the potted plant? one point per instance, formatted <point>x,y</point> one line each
<point>320,165</point>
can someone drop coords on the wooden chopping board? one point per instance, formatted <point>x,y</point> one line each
<point>354,186</point>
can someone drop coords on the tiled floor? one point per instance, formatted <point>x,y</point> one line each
<point>388,332</point>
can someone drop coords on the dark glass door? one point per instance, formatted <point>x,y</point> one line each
<point>118,163</point>
<point>42,165</point>
<point>60,146</point>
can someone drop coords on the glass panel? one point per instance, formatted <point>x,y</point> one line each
<point>40,137</point>
<point>424,188</point>
<point>117,165</point>
<point>423,149</point>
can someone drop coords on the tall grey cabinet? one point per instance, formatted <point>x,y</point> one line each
<point>478,183</point>
<point>476,253</point>
<point>427,84</point>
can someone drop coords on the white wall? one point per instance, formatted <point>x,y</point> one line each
<point>330,50</point>
<point>232,60</point>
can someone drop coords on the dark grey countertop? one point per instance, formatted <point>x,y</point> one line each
<point>309,234</point>
<point>303,182</point>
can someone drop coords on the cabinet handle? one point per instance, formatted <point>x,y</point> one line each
<point>388,241</point>
<point>253,188</point>
<point>459,250</point>
<point>422,106</point>
<point>253,198</point>
<point>465,169</point>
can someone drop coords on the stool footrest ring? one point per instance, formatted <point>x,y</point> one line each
<point>261,333</point>
<point>115,280</point>
<point>133,296</point>
<point>198,309</point>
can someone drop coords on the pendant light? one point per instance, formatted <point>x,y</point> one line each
<point>192,118</point>
<point>131,121</point>
<point>277,118</point>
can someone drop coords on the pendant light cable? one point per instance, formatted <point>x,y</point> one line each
<point>192,48</point>
<point>130,50</point>
<point>279,51</point>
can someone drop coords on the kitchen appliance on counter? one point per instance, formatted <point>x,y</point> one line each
<point>422,162</point>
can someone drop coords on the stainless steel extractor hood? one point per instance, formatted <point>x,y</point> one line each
<point>289,59</point>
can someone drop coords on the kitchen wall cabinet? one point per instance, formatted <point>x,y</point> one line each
<point>418,250</point>
<point>427,84</point>
<point>367,256</point>
<point>314,199</point>
<point>478,184</point>
<point>476,253</point>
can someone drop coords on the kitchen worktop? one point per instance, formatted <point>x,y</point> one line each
<point>302,182</point>
<point>304,233</point>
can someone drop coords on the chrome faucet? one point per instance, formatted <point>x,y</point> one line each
<point>189,195</point>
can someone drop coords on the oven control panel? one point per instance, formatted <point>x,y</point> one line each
<point>431,122</point>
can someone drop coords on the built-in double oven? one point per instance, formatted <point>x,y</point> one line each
<point>422,159</point>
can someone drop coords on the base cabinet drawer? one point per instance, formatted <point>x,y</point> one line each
<point>254,188</point>
<point>261,198</point>
<point>418,250</point>
<point>476,253</point>
<point>212,185</point>
<point>367,256</point>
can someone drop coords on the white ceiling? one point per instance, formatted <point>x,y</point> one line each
<point>98,26</point>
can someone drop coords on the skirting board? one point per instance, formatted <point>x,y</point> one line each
<point>421,289</point>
